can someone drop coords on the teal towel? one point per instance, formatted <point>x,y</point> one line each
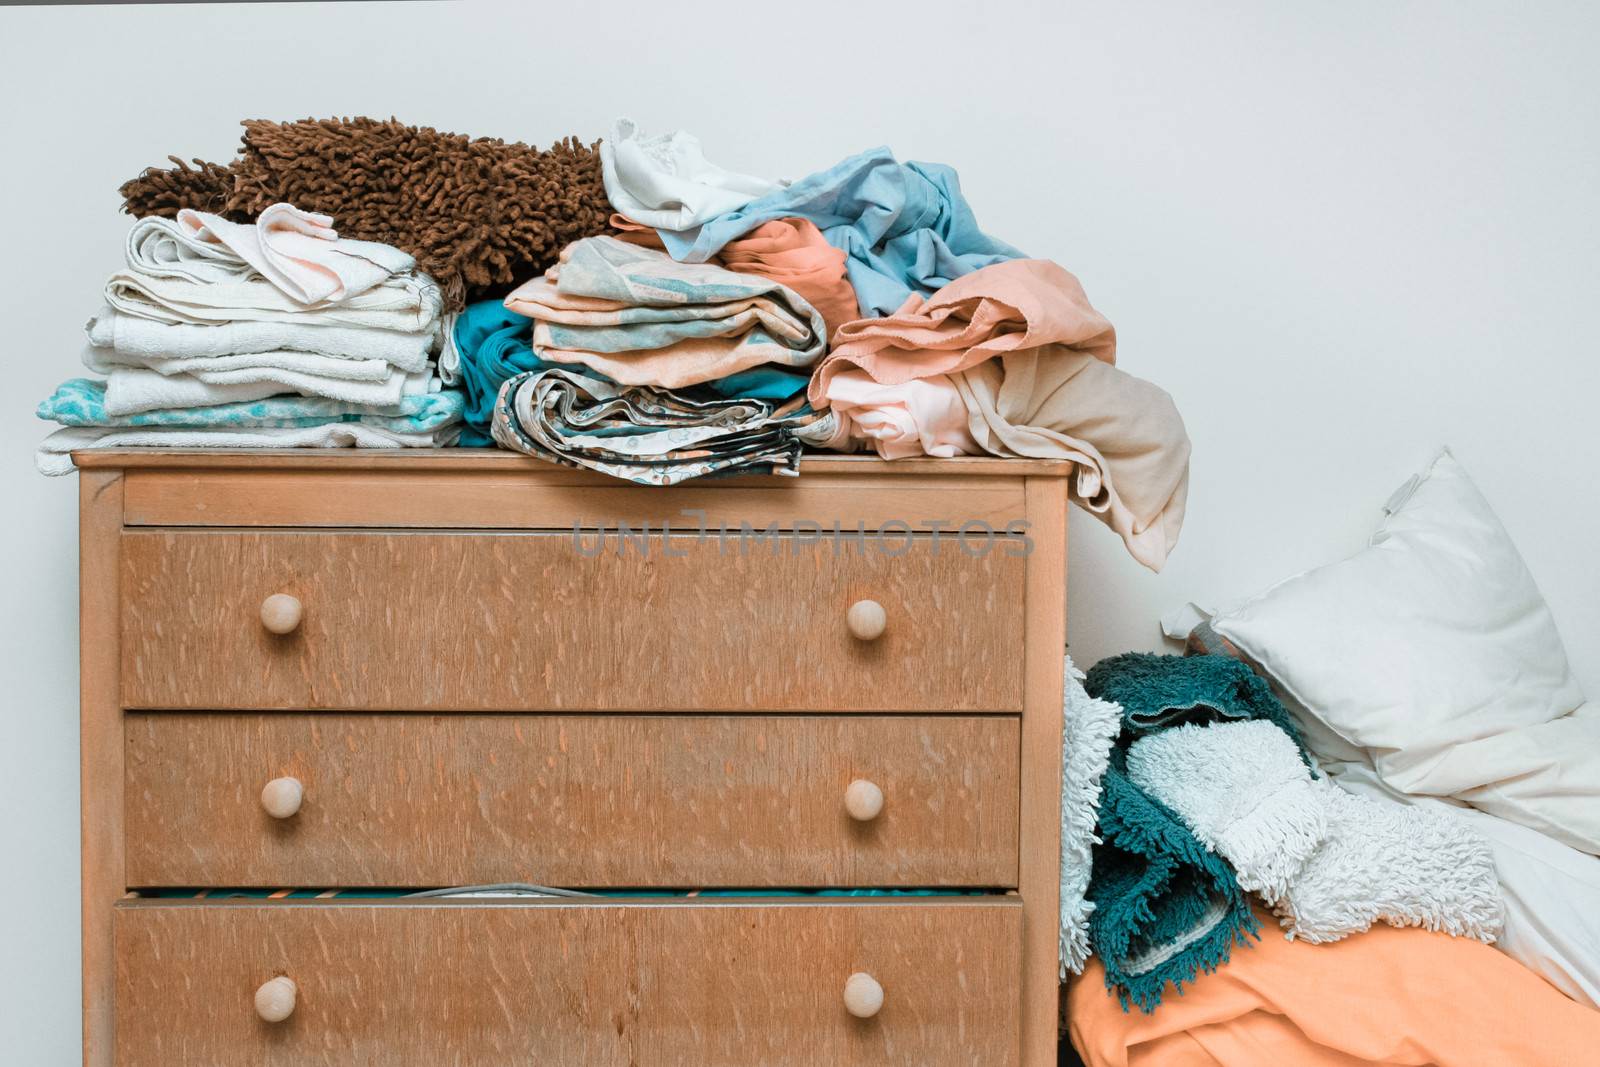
<point>1166,908</point>
<point>82,402</point>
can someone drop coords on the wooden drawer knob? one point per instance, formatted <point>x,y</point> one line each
<point>281,797</point>
<point>275,999</point>
<point>281,613</point>
<point>867,620</point>
<point>863,800</point>
<point>863,996</point>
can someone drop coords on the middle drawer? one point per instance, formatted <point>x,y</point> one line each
<point>589,800</point>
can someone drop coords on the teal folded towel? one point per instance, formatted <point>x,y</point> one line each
<point>1166,908</point>
<point>82,402</point>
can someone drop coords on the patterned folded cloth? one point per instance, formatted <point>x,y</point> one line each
<point>791,252</point>
<point>82,402</point>
<point>905,228</point>
<point>638,317</point>
<point>651,436</point>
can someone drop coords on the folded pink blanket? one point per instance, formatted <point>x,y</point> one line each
<point>1005,307</point>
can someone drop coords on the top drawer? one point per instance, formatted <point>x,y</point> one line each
<point>544,621</point>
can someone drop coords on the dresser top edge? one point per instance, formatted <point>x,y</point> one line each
<point>471,459</point>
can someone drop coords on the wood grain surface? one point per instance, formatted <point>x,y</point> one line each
<point>543,499</point>
<point>1040,876</point>
<point>578,801</point>
<point>470,459</point>
<point>477,621</point>
<point>723,984</point>
<point>101,749</point>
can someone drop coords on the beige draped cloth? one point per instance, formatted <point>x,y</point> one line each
<point>1032,361</point>
<point>1124,434</point>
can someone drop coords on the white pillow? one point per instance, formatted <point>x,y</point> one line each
<point>1433,651</point>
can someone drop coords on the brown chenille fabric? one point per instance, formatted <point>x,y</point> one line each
<point>479,214</point>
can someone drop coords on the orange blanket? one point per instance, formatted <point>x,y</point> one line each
<point>1388,996</point>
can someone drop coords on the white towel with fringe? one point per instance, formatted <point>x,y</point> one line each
<point>130,390</point>
<point>1330,864</point>
<point>137,341</point>
<point>1089,729</point>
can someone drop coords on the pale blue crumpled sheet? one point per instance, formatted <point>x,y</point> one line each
<point>904,227</point>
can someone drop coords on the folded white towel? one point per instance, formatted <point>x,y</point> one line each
<point>140,341</point>
<point>1330,864</point>
<point>300,252</point>
<point>130,390</point>
<point>213,368</point>
<point>170,277</point>
<point>666,181</point>
<point>52,455</point>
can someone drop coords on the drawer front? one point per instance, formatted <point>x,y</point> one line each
<point>595,800</point>
<point>686,982</point>
<point>461,622</point>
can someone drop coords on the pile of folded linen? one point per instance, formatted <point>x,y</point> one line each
<point>643,367</point>
<point>275,334</point>
<point>958,345</point>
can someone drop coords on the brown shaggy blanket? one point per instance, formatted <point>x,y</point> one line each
<point>477,213</point>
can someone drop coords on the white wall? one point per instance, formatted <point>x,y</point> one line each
<point>1339,234</point>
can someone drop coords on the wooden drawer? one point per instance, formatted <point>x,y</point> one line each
<point>707,983</point>
<point>593,800</point>
<point>480,621</point>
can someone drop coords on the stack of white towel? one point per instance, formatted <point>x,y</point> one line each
<point>276,333</point>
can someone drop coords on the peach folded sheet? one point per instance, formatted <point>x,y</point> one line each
<point>1393,996</point>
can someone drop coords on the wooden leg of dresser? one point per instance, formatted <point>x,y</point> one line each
<point>1039,876</point>
<point>101,743</point>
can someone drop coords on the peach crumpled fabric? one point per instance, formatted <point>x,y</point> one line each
<point>1004,307</point>
<point>791,252</point>
<point>1394,996</point>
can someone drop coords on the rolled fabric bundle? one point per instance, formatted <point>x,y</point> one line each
<point>650,436</point>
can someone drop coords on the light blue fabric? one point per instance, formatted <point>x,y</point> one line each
<point>82,402</point>
<point>904,227</point>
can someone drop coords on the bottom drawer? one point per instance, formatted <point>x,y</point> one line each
<point>732,981</point>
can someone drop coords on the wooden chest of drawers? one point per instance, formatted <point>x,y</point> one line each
<point>459,668</point>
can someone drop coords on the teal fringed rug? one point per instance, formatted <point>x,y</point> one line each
<point>1166,909</point>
